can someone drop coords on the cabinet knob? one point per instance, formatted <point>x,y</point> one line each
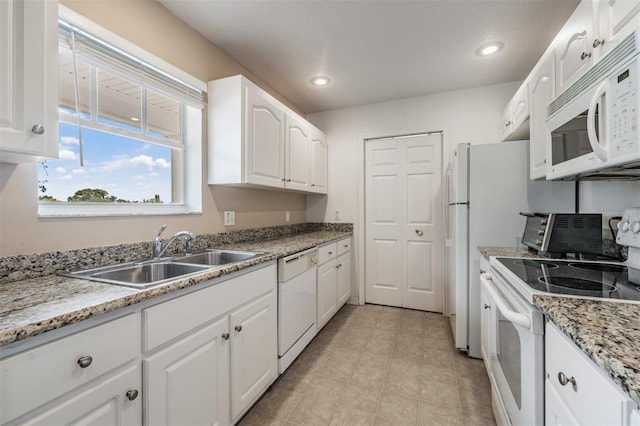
<point>585,55</point>
<point>330,253</point>
<point>288,180</point>
<point>85,361</point>
<point>225,336</point>
<point>487,306</point>
<point>564,380</point>
<point>131,394</point>
<point>482,271</point>
<point>507,124</point>
<point>38,129</point>
<point>346,246</point>
<point>597,42</point>
<point>419,232</point>
<point>238,328</point>
<point>313,184</point>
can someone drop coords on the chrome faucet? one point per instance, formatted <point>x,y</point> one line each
<point>159,249</point>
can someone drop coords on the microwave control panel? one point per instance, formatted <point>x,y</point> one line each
<point>623,88</point>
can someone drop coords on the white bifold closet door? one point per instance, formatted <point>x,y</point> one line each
<point>404,223</point>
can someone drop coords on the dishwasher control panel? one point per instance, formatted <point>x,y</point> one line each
<point>296,264</point>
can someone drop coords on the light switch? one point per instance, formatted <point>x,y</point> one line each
<point>229,218</point>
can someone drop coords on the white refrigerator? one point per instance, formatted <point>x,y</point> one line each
<point>486,188</point>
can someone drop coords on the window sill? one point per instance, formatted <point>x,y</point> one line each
<point>52,210</point>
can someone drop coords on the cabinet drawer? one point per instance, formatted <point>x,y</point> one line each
<point>168,320</point>
<point>34,377</point>
<point>327,252</point>
<point>594,399</point>
<point>344,246</point>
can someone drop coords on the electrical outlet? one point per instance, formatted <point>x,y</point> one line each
<point>336,215</point>
<point>229,218</point>
<point>287,216</point>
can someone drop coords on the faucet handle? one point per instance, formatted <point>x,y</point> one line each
<point>161,230</point>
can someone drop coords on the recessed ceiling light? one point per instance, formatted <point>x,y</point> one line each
<point>489,49</point>
<point>320,80</point>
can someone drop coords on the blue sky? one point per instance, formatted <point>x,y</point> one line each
<point>127,168</point>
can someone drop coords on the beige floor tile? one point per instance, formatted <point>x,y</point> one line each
<point>473,419</point>
<point>430,414</point>
<point>368,377</point>
<point>399,409</point>
<point>340,365</point>
<point>359,399</point>
<point>402,383</point>
<point>474,401</point>
<point>443,394</point>
<point>254,418</point>
<point>438,374</point>
<point>293,382</point>
<point>326,388</point>
<point>437,357</point>
<point>278,402</point>
<point>350,417</point>
<point>313,410</point>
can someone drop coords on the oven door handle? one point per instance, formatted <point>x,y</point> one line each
<point>513,316</point>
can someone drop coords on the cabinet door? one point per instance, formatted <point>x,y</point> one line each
<point>297,154</point>
<point>254,351</point>
<point>505,123</point>
<point>105,403</point>
<point>318,162</point>
<point>541,93</point>
<point>28,80</point>
<point>617,19</point>
<point>574,53</point>
<point>327,292</point>
<point>556,412</point>
<point>265,141</point>
<point>187,383</point>
<point>344,278</point>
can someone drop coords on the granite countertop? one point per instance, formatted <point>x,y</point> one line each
<point>487,252</point>
<point>607,332</point>
<point>33,306</point>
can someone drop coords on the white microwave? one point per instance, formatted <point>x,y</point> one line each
<point>594,123</point>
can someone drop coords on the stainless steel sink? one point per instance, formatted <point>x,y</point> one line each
<point>216,257</point>
<point>150,273</point>
<point>139,275</point>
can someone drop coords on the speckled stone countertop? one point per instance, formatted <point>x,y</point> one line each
<point>607,332</point>
<point>33,306</point>
<point>487,252</point>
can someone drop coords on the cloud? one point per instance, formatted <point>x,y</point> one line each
<point>69,140</point>
<point>61,170</point>
<point>65,177</point>
<point>140,160</point>
<point>66,154</point>
<point>78,171</point>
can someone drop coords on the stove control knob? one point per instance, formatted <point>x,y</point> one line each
<point>624,226</point>
<point>635,228</point>
<point>543,222</point>
<point>539,242</point>
<point>540,231</point>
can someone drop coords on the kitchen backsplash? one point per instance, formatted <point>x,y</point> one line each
<point>20,267</point>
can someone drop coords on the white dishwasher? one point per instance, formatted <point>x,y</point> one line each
<point>296,305</point>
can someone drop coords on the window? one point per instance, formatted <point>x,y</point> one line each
<point>130,130</point>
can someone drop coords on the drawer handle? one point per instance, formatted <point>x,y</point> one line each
<point>238,328</point>
<point>564,380</point>
<point>225,336</point>
<point>487,306</point>
<point>85,361</point>
<point>132,394</point>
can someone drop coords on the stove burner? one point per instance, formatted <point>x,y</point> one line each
<point>577,283</point>
<point>534,263</point>
<point>600,267</point>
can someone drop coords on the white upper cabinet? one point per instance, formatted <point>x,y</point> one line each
<point>541,93</point>
<point>616,19</point>
<point>573,46</point>
<point>28,80</point>
<point>254,140</point>
<point>318,160</point>
<point>297,153</point>
<point>514,118</point>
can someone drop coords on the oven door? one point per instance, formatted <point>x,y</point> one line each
<point>515,352</point>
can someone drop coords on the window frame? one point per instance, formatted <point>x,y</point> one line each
<point>189,169</point>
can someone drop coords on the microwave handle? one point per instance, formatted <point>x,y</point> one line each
<point>515,317</point>
<point>598,150</point>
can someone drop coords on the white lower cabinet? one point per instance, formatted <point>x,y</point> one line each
<point>576,390</point>
<point>334,279</point>
<point>187,382</point>
<point>212,352</point>
<point>81,378</point>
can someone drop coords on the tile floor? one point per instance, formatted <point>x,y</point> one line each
<point>377,365</point>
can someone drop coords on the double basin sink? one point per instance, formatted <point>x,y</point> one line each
<point>154,272</point>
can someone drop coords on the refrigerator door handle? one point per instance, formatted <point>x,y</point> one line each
<point>447,219</point>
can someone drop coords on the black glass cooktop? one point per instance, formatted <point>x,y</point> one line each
<point>592,279</point>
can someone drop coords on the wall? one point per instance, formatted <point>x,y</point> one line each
<point>149,25</point>
<point>470,115</point>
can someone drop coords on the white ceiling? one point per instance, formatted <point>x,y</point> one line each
<point>376,51</point>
